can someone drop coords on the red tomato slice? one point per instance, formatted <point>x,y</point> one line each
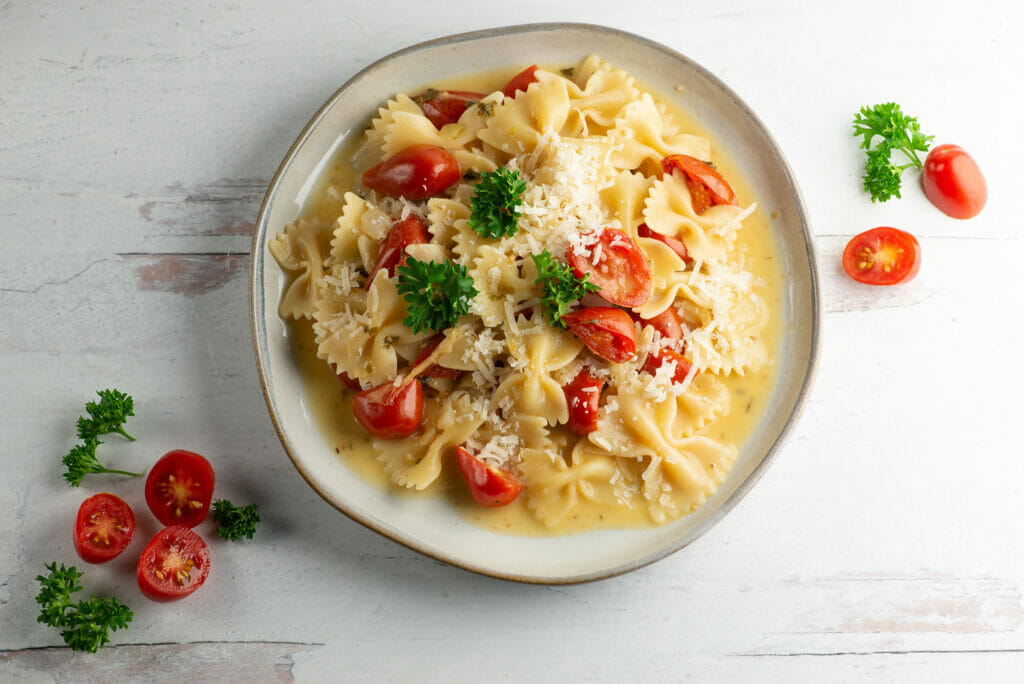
<point>179,488</point>
<point>446,106</point>
<point>673,243</point>
<point>953,182</point>
<point>661,357</point>
<point>103,528</point>
<point>706,185</point>
<point>520,81</point>
<point>583,395</point>
<point>435,370</point>
<point>390,412</point>
<point>489,486</point>
<point>411,230</point>
<point>882,256</point>
<point>174,563</point>
<point>616,265</point>
<point>607,331</point>
<point>415,173</point>
<point>668,323</point>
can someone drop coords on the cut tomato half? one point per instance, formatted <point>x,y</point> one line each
<point>607,331</point>
<point>179,488</point>
<point>488,485</point>
<point>707,186</point>
<point>882,256</point>
<point>103,528</point>
<point>616,264</point>
<point>175,563</point>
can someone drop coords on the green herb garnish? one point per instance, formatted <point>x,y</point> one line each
<point>81,461</point>
<point>559,286</point>
<point>896,131</point>
<point>496,203</point>
<point>108,415</point>
<point>88,622</point>
<point>235,522</point>
<point>436,294</point>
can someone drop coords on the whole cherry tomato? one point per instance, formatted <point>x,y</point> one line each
<point>446,106</point>
<point>175,562</point>
<point>953,182</point>
<point>659,358</point>
<point>882,256</point>
<point>668,323</point>
<point>179,488</point>
<point>415,173</point>
<point>607,331</point>
<point>583,395</point>
<point>616,265</point>
<point>489,486</point>
<point>706,185</point>
<point>520,81</point>
<point>103,528</point>
<point>435,370</point>
<point>390,412</point>
<point>673,243</point>
<point>411,230</point>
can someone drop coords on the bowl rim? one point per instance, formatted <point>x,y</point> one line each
<point>259,343</point>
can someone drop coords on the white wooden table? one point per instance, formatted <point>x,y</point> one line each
<point>884,543</point>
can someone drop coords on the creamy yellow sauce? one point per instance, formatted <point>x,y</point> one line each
<point>331,402</point>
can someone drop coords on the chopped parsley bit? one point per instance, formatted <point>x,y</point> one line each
<point>436,294</point>
<point>389,340</point>
<point>567,71</point>
<point>483,108</point>
<point>88,622</point>
<point>559,286</point>
<point>235,522</point>
<point>896,131</point>
<point>428,94</point>
<point>471,175</point>
<point>495,203</point>
<point>108,415</point>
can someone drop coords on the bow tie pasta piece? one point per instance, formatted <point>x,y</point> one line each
<point>601,93</point>
<point>553,487</point>
<point>669,210</point>
<point>504,288</point>
<point>642,138</point>
<point>371,151</point>
<point>300,251</point>
<point>413,128</point>
<point>625,197</point>
<point>679,484</point>
<point>358,232</point>
<point>519,123</point>
<point>529,388</point>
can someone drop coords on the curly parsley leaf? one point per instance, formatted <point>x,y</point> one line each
<point>88,622</point>
<point>55,593</point>
<point>559,286</point>
<point>896,132</point>
<point>435,294</point>
<point>108,415</point>
<point>495,203</point>
<point>235,522</point>
<point>81,461</point>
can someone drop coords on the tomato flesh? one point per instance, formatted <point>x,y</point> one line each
<point>673,243</point>
<point>882,256</point>
<point>520,81</point>
<point>390,412</point>
<point>416,173</point>
<point>488,485</point>
<point>179,488</point>
<point>434,370</point>
<point>668,323</point>
<point>607,331</point>
<point>446,106</point>
<point>659,358</point>
<point>175,563</point>
<point>953,182</point>
<point>103,528</point>
<point>616,265</point>
<point>411,230</point>
<point>707,186</point>
<point>583,395</point>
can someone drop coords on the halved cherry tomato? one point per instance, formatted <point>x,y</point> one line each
<point>607,331</point>
<point>174,563</point>
<point>953,182</point>
<point>446,106</point>
<point>179,488</point>
<point>882,256</point>
<point>659,358</point>
<point>489,486</point>
<point>103,528</point>
<point>415,173</point>
<point>390,412</point>
<point>616,265</point>
<point>583,395</point>
<point>668,323</point>
<point>520,81</point>
<point>673,243</point>
<point>435,370</point>
<point>706,185</point>
<point>411,230</point>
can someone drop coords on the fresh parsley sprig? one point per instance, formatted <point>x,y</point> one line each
<point>896,132</point>
<point>495,204</point>
<point>81,461</point>
<point>559,286</point>
<point>435,294</point>
<point>235,522</point>
<point>88,622</point>
<point>109,415</point>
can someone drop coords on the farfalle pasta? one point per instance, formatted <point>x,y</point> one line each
<point>577,351</point>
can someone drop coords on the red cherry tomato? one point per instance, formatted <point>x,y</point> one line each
<point>489,486</point>
<point>415,173</point>
<point>661,357</point>
<point>435,370</point>
<point>953,182</point>
<point>882,256</point>
<point>446,106</point>
<point>179,488</point>
<point>607,331</point>
<point>673,243</point>
<point>174,563</point>
<point>668,323</point>
<point>390,412</point>
<point>103,528</point>
<point>583,395</point>
<point>706,185</point>
<point>411,230</point>
<point>520,81</point>
<point>616,265</point>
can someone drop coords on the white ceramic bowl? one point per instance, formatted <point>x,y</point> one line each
<point>429,524</point>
